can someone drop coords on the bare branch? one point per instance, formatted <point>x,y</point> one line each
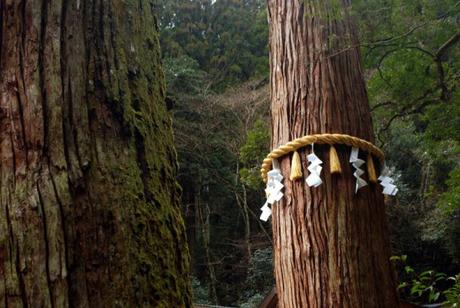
<point>412,30</point>
<point>382,104</point>
<point>414,107</point>
<point>445,47</point>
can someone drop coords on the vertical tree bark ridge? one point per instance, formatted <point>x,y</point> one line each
<point>331,245</point>
<point>89,203</point>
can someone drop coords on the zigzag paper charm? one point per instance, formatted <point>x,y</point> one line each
<point>266,212</point>
<point>273,192</point>
<point>314,179</point>
<point>357,163</point>
<point>387,182</point>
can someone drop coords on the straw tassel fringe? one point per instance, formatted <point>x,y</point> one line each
<point>296,167</point>
<point>371,169</point>
<point>334,161</point>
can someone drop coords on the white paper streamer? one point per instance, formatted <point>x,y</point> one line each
<point>273,192</point>
<point>387,182</point>
<point>314,179</point>
<point>266,212</point>
<point>357,163</point>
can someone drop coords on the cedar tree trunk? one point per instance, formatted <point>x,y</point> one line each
<point>89,213</point>
<point>331,245</point>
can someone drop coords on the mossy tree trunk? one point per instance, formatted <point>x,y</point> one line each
<point>89,213</point>
<point>331,245</point>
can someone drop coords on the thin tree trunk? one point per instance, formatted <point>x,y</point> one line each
<point>203,213</point>
<point>331,245</point>
<point>242,202</point>
<point>247,222</point>
<point>89,213</point>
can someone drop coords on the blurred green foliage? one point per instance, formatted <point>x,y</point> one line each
<point>260,280</point>
<point>252,153</point>
<point>200,293</point>
<point>428,286</point>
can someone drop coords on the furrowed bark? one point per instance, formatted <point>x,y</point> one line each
<point>331,245</point>
<point>89,207</point>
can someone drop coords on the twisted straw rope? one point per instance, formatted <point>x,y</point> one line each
<point>331,139</point>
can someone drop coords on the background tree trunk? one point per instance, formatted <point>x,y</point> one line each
<point>331,245</point>
<point>204,212</point>
<point>89,203</point>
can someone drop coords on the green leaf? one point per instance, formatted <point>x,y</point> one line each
<point>426,274</point>
<point>402,285</point>
<point>440,276</point>
<point>408,269</point>
<point>433,297</point>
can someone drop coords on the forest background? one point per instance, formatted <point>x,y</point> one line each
<point>215,58</point>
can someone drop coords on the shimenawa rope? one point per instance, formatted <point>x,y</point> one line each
<point>331,139</point>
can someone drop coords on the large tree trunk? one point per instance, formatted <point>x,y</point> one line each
<point>331,245</point>
<point>89,204</point>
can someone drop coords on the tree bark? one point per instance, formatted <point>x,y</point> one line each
<point>331,245</point>
<point>89,203</point>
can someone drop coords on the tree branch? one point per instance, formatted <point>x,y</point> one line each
<point>382,104</point>
<point>385,41</point>
<point>445,47</point>
<point>415,106</point>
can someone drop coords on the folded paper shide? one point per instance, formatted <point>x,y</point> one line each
<point>387,182</point>
<point>274,178</point>
<point>273,192</point>
<point>357,163</point>
<point>314,179</point>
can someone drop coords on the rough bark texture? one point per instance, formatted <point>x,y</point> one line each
<point>89,212</point>
<point>331,245</point>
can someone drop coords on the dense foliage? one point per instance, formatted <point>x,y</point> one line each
<point>413,59</point>
<point>227,38</point>
<point>216,64</point>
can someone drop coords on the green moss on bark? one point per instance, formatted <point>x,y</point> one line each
<point>90,202</point>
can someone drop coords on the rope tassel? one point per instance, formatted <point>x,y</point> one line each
<point>296,167</point>
<point>334,161</point>
<point>371,169</point>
